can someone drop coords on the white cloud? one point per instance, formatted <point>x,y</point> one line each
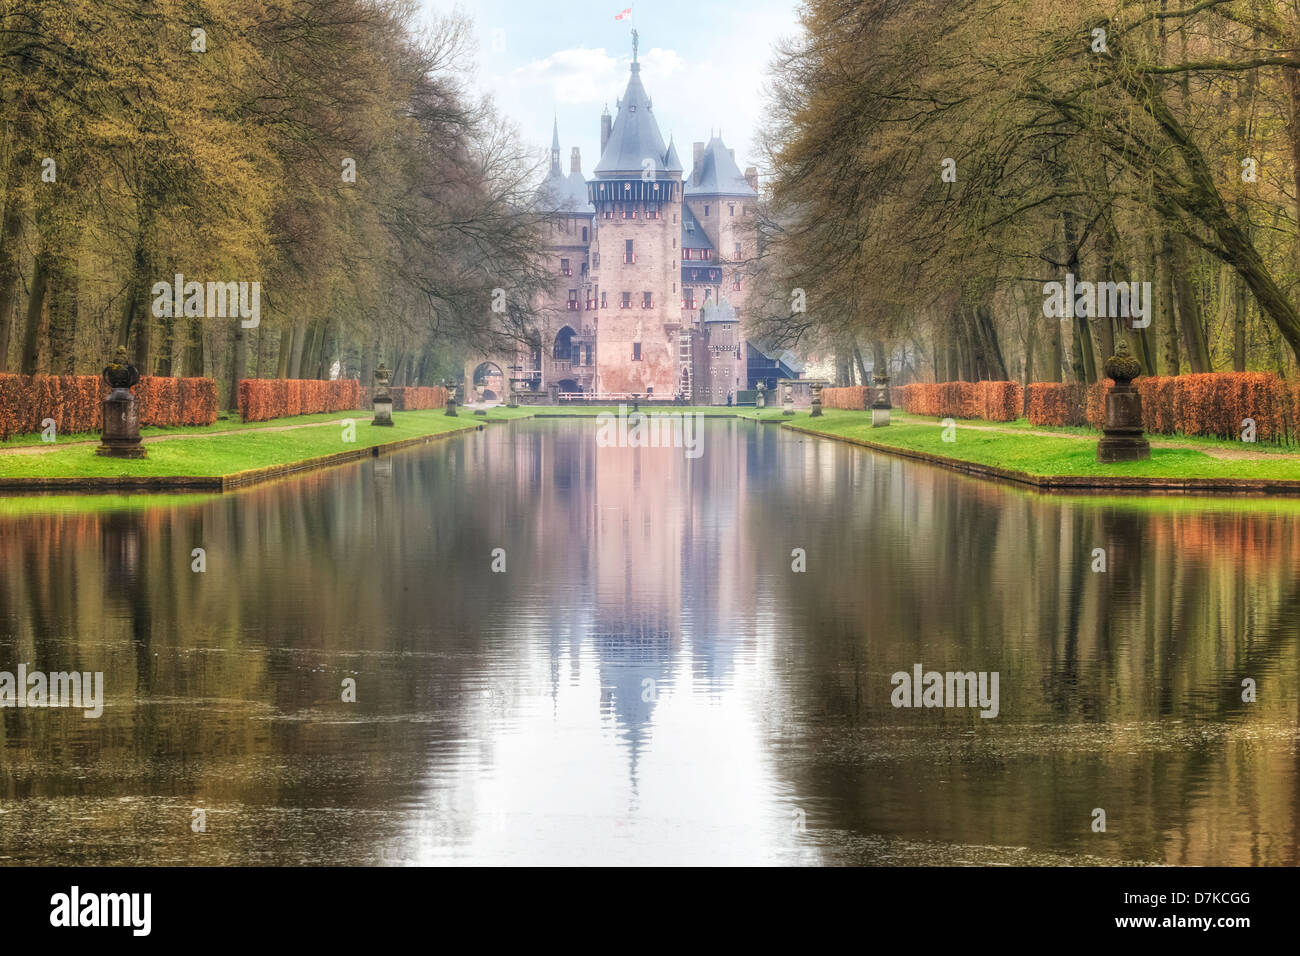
<point>578,75</point>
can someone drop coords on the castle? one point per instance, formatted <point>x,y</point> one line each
<point>649,263</point>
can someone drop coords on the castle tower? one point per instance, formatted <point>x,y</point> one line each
<point>720,238</point>
<point>637,194</point>
<point>562,360</point>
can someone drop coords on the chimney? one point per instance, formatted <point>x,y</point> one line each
<point>698,150</point>
<point>575,161</point>
<point>606,124</point>
<point>751,177</point>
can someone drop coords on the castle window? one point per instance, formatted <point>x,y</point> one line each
<point>647,300</point>
<point>573,300</point>
<point>652,211</point>
<point>584,233</point>
<point>636,351</point>
<point>629,254</point>
<point>731,206</point>
<point>627,300</point>
<point>736,283</point>
<point>604,302</point>
<point>706,210</point>
<point>739,254</point>
<point>565,268</point>
<point>674,219</point>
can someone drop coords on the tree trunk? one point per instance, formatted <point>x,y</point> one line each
<point>238,362</point>
<point>11,228</point>
<point>193,361</point>
<point>295,358</point>
<point>63,315</point>
<point>286,350</point>
<point>35,314</point>
<point>1172,364</point>
<point>1189,311</point>
<point>1241,296</point>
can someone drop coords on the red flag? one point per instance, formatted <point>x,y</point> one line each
<point>624,15</point>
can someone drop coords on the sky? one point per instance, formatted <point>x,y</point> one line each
<point>704,64</point>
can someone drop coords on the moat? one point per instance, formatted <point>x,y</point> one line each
<point>567,653</point>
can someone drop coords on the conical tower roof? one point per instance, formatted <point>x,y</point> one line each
<point>635,136</point>
<point>718,175</point>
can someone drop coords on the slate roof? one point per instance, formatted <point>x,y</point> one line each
<point>561,193</point>
<point>720,311</point>
<point>635,136</point>
<point>718,174</point>
<point>693,235</point>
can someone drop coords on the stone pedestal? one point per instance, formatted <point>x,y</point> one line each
<point>121,436</point>
<point>760,399</point>
<point>1122,430</point>
<point>787,400</point>
<point>881,405</point>
<point>816,401</point>
<point>382,403</point>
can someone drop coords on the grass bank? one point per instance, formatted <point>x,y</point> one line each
<point>250,448</point>
<point>1037,455</point>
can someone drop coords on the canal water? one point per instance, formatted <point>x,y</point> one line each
<point>639,675</point>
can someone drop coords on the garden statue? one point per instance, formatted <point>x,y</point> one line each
<point>121,434</point>
<point>1122,428</point>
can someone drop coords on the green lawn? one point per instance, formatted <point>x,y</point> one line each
<point>227,422</point>
<point>228,454</point>
<point>1035,454</point>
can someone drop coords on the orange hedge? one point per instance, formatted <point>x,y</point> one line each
<point>261,399</point>
<point>1054,403</point>
<point>409,399</point>
<point>1212,404</point>
<point>75,402</point>
<point>991,401</point>
<point>851,397</point>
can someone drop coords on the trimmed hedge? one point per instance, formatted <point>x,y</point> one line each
<point>75,402</point>
<point>991,401</point>
<point>1055,403</point>
<point>851,397</point>
<point>1212,404</point>
<point>261,399</point>
<point>409,399</point>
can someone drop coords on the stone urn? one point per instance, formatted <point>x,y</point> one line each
<point>881,403</point>
<point>816,400</point>
<point>383,400</point>
<point>451,398</point>
<point>121,434</point>
<point>1122,429</point>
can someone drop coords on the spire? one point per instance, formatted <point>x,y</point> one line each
<point>634,136</point>
<point>555,147</point>
<point>671,162</point>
